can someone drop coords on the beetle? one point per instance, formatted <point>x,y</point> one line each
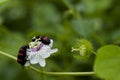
<point>21,58</point>
<point>45,40</point>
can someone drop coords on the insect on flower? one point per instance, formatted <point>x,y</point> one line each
<point>36,51</point>
<point>43,39</point>
<point>21,59</point>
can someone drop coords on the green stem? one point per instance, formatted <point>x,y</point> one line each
<point>52,73</point>
<point>8,55</point>
<point>98,39</point>
<point>93,52</point>
<point>43,75</point>
<point>69,73</point>
<point>74,13</point>
<point>63,73</point>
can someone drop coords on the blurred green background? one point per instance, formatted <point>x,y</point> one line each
<point>62,20</point>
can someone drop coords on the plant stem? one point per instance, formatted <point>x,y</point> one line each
<point>93,52</point>
<point>98,39</point>
<point>74,13</point>
<point>8,55</point>
<point>52,73</point>
<point>69,73</point>
<point>43,75</point>
<point>63,73</point>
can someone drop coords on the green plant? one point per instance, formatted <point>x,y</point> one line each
<point>95,23</point>
<point>106,64</point>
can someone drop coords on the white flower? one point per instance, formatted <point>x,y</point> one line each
<point>39,54</point>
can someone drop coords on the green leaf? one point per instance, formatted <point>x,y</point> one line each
<point>107,63</point>
<point>86,27</point>
<point>92,6</point>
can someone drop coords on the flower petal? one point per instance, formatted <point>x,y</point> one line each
<point>30,54</point>
<point>53,50</point>
<point>51,43</point>
<point>42,62</point>
<point>27,63</point>
<point>34,59</point>
<point>44,51</point>
<point>45,55</point>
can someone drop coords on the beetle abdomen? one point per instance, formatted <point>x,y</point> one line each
<point>21,59</point>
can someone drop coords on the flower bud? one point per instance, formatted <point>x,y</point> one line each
<point>83,46</point>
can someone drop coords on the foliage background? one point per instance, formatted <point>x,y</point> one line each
<point>62,20</point>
